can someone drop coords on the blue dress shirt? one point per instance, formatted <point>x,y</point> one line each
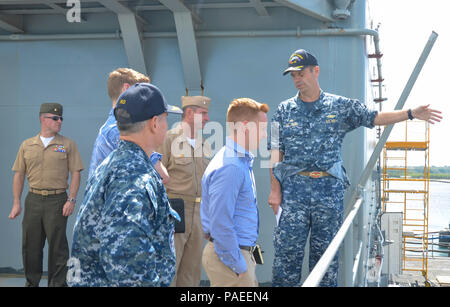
<point>228,210</point>
<point>106,141</point>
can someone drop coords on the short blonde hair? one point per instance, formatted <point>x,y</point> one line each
<point>241,109</point>
<point>119,77</point>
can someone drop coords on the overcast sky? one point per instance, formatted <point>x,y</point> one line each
<point>405,26</point>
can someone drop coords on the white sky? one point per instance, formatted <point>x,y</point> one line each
<point>405,26</point>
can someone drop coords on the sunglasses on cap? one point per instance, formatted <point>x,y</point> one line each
<point>55,118</point>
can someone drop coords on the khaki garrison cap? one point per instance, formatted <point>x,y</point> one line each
<point>53,108</point>
<point>198,101</point>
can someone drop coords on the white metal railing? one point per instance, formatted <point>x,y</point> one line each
<point>321,267</point>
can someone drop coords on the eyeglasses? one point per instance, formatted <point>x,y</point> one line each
<point>55,118</point>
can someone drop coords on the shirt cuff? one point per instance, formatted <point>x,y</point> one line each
<point>234,260</point>
<point>155,157</point>
<point>371,121</point>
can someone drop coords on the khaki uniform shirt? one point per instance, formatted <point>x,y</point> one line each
<point>184,164</point>
<point>48,168</point>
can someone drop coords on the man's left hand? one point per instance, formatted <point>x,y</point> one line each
<point>425,113</point>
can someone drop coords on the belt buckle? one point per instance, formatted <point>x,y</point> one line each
<point>315,174</point>
<point>44,192</point>
<point>198,199</point>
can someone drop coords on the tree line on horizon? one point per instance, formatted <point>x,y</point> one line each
<point>436,172</point>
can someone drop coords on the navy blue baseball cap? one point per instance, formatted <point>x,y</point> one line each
<point>140,102</point>
<point>299,60</point>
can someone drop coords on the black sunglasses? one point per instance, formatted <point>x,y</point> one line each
<point>55,118</point>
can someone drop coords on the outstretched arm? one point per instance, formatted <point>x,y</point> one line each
<point>423,112</point>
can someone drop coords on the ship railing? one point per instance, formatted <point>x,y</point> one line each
<point>442,248</point>
<point>322,266</point>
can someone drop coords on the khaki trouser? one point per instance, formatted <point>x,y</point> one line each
<point>221,275</point>
<point>188,248</point>
<point>43,219</point>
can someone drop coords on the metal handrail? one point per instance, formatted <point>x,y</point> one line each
<point>321,267</point>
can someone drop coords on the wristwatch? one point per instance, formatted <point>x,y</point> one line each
<point>72,200</point>
<point>410,116</point>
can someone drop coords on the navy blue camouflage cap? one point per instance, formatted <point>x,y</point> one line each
<point>140,102</point>
<point>299,60</point>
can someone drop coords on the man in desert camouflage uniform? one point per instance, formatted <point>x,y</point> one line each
<point>308,179</point>
<point>124,232</point>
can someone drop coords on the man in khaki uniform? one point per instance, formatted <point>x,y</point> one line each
<point>46,160</point>
<point>186,155</point>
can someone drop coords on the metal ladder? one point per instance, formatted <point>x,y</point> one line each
<point>406,190</point>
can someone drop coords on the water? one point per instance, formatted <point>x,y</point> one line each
<point>439,201</point>
<point>439,215</point>
<point>439,206</point>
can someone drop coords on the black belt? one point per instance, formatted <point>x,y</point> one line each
<point>244,247</point>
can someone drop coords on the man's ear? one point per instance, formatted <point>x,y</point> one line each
<point>317,70</point>
<point>125,86</point>
<point>190,113</point>
<point>152,123</point>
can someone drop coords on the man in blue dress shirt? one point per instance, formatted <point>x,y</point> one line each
<point>108,136</point>
<point>228,210</point>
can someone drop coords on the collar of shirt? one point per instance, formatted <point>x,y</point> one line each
<point>111,118</point>
<point>235,150</point>
<point>320,103</point>
<point>56,140</point>
<point>127,145</point>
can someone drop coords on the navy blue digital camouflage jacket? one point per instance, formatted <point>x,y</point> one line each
<point>123,235</point>
<point>311,140</point>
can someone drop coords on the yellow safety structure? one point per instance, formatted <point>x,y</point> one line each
<point>406,189</point>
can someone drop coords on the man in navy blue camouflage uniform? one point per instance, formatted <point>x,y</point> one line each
<point>124,232</point>
<point>308,179</point>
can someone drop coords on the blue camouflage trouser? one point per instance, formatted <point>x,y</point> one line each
<point>309,204</point>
